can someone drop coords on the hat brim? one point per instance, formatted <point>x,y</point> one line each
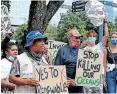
<point>31,42</point>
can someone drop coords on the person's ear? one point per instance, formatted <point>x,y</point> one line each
<point>6,52</point>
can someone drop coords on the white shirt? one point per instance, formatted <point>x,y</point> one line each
<point>96,49</point>
<point>5,68</point>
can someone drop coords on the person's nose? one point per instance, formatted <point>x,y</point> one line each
<point>43,43</point>
<point>15,51</point>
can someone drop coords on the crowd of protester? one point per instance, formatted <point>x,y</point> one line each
<point>17,70</point>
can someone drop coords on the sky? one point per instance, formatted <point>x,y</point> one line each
<point>19,11</point>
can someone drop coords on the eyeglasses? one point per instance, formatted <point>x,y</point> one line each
<point>77,37</point>
<point>74,37</point>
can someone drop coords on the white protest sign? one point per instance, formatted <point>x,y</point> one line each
<point>89,69</point>
<point>5,20</point>
<point>96,12</point>
<point>53,47</point>
<point>52,79</point>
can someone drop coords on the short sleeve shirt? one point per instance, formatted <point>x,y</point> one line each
<point>5,68</point>
<point>97,48</point>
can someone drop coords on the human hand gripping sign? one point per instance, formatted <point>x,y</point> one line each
<point>11,86</point>
<point>32,82</point>
<point>71,82</point>
<point>104,84</point>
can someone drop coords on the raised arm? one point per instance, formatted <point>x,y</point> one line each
<point>104,64</point>
<point>105,60</point>
<point>106,34</point>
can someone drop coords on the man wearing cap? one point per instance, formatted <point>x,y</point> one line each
<point>22,70</point>
<point>67,55</point>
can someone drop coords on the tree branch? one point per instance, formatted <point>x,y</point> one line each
<point>52,7</point>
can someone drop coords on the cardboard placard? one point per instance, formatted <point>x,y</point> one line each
<point>89,69</point>
<point>53,47</point>
<point>52,79</point>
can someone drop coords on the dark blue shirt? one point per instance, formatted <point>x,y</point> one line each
<point>68,56</point>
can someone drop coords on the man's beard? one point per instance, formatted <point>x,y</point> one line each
<point>74,44</point>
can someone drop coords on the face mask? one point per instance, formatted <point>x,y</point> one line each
<point>11,58</point>
<point>92,40</point>
<point>114,42</point>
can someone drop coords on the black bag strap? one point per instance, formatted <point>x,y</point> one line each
<point>112,56</point>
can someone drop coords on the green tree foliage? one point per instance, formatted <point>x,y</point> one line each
<point>71,20</point>
<point>116,22</point>
<point>80,22</point>
<point>20,35</point>
<point>112,26</point>
<point>68,21</point>
<point>51,32</point>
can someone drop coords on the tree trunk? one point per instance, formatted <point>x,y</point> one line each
<point>40,14</point>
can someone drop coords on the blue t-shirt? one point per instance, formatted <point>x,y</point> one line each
<point>68,56</point>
